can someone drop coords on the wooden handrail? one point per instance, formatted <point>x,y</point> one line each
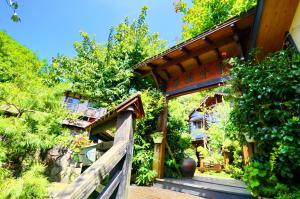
<point>87,182</point>
<point>116,162</point>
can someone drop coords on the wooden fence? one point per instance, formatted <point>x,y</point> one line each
<point>115,163</point>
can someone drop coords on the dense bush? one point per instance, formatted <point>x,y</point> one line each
<point>30,120</point>
<point>153,103</point>
<point>267,108</point>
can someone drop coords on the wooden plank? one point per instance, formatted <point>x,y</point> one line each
<point>111,187</point>
<point>103,146</point>
<point>198,86</point>
<point>124,132</point>
<point>275,21</point>
<point>86,183</point>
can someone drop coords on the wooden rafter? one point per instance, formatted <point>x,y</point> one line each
<point>166,58</point>
<point>167,73</point>
<point>197,52</point>
<point>181,67</point>
<point>157,75</point>
<point>185,50</point>
<point>199,63</point>
<point>210,42</point>
<point>237,39</point>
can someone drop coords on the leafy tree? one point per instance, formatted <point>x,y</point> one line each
<point>204,14</point>
<point>104,72</point>
<point>35,125</point>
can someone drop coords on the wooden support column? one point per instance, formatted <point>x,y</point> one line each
<point>156,160</point>
<point>160,149</point>
<point>125,122</point>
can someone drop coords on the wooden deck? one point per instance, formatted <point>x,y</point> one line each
<point>207,187</point>
<point>136,192</point>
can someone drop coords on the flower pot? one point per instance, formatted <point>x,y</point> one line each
<point>188,167</point>
<point>158,140</point>
<point>157,137</point>
<point>249,139</point>
<point>217,167</point>
<point>88,154</point>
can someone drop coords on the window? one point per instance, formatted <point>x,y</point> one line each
<point>72,103</point>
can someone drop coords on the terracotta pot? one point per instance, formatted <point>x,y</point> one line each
<point>188,167</point>
<point>217,167</point>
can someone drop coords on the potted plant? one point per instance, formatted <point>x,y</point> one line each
<point>157,137</point>
<point>83,150</point>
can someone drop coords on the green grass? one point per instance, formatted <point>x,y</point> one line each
<point>221,174</point>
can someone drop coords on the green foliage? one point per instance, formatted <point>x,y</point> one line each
<point>104,72</point>
<point>13,4</point>
<point>35,122</point>
<point>32,184</point>
<point>204,14</point>
<point>203,151</point>
<point>294,194</point>
<point>153,103</point>
<point>190,153</point>
<point>78,142</point>
<point>235,172</point>
<point>261,181</point>
<point>267,108</point>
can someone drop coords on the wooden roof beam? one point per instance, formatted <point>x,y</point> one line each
<point>198,61</point>
<point>181,67</point>
<point>166,58</point>
<point>210,42</point>
<point>167,73</point>
<point>236,37</point>
<point>197,52</point>
<point>219,55</point>
<point>158,76</point>
<point>185,50</point>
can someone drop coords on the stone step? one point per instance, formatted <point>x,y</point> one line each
<point>207,187</point>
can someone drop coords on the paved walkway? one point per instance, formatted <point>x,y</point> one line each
<point>137,192</point>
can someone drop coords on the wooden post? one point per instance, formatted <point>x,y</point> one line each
<point>161,151</point>
<point>156,161</point>
<point>125,122</point>
<point>226,157</point>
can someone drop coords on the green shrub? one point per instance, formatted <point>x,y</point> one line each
<point>32,184</point>
<point>267,108</point>
<point>153,103</point>
<point>234,171</point>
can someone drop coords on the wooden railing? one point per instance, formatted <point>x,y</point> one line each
<point>115,163</point>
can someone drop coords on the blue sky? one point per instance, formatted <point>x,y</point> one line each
<point>49,27</point>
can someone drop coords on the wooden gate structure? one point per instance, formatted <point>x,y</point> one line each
<point>198,63</point>
<point>193,65</point>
